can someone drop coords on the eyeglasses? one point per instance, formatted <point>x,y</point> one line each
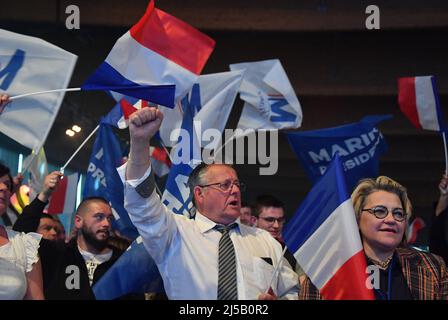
<point>381,212</point>
<point>272,220</point>
<point>226,186</point>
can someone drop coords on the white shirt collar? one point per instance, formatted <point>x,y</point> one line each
<point>205,224</point>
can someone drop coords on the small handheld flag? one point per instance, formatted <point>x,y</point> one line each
<point>324,238</point>
<point>159,59</point>
<point>419,101</point>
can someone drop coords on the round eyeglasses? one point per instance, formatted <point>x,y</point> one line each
<point>381,212</point>
<point>271,220</point>
<point>226,186</point>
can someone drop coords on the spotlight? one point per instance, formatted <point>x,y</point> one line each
<point>69,132</point>
<point>76,128</point>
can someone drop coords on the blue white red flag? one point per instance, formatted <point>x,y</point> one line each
<point>63,199</point>
<point>158,59</point>
<point>118,116</point>
<point>414,229</point>
<point>359,145</point>
<point>419,101</point>
<point>324,237</point>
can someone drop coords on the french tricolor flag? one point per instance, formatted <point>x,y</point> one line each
<point>419,101</point>
<point>158,60</point>
<point>119,115</point>
<point>324,237</point>
<point>63,199</point>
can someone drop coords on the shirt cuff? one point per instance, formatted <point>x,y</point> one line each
<point>144,185</point>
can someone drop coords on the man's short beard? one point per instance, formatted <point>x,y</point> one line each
<point>92,240</point>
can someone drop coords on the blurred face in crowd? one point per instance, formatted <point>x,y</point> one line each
<point>246,216</point>
<point>60,231</point>
<point>382,234</point>
<point>271,219</point>
<point>220,200</point>
<point>94,222</point>
<point>5,193</point>
<point>48,228</point>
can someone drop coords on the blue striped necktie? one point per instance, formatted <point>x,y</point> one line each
<point>227,281</point>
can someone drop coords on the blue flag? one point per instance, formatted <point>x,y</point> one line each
<point>102,178</point>
<point>134,272</point>
<point>185,156</point>
<point>359,146</point>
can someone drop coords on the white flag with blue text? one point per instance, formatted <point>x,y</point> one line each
<point>29,64</point>
<point>206,107</point>
<point>270,100</point>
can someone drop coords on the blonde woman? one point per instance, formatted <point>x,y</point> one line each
<point>383,209</point>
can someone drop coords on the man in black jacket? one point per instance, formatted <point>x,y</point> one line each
<point>69,270</point>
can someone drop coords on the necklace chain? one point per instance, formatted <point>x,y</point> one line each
<point>382,264</point>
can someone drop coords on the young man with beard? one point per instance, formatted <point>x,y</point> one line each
<point>70,270</point>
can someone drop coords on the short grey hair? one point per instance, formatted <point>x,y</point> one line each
<point>197,176</point>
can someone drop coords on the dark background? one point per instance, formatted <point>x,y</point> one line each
<point>340,70</point>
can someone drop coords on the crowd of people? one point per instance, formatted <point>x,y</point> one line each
<point>229,251</point>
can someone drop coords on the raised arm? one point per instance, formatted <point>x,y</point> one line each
<point>29,220</point>
<point>143,125</point>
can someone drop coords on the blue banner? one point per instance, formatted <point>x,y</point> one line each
<point>185,157</point>
<point>134,272</point>
<point>102,178</point>
<point>359,145</point>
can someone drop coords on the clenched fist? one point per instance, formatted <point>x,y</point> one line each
<point>144,124</point>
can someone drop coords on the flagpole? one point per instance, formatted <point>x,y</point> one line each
<point>42,92</point>
<point>166,150</point>
<point>79,148</point>
<point>277,268</point>
<point>446,153</point>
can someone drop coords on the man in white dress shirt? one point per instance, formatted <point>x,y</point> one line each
<point>193,255</point>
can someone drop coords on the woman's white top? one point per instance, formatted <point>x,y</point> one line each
<point>16,259</point>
